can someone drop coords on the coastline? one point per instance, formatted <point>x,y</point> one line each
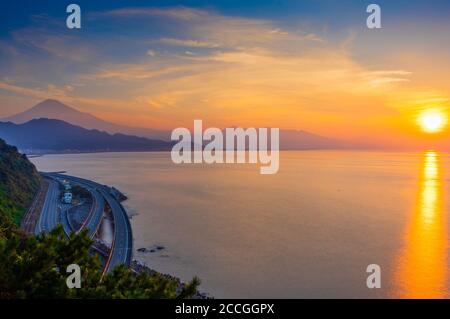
<point>99,246</point>
<point>139,267</point>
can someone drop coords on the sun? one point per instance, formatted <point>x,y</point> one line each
<point>432,121</point>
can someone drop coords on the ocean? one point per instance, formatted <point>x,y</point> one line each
<point>309,231</point>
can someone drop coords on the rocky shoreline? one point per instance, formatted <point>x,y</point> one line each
<point>139,267</point>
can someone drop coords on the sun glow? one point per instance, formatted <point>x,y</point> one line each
<point>432,121</point>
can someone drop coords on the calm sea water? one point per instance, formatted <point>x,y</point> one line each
<point>308,231</point>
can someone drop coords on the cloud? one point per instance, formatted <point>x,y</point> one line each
<point>56,44</point>
<point>128,72</point>
<point>51,91</point>
<point>208,28</point>
<point>180,13</point>
<point>380,77</point>
<point>189,43</point>
<point>226,70</point>
<point>151,53</point>
<point>313,37</point>
<point>8,49</point>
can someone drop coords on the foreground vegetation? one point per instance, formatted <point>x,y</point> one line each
<point>35,266</point>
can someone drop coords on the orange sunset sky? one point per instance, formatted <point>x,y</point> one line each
<point>291,66</point>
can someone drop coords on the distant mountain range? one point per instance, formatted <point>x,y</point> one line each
<point>300,140</point>
<point>94,134</point>
<point>53,109</point>
<point>56,136</point>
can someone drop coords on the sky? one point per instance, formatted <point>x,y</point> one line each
<point>310,65</point>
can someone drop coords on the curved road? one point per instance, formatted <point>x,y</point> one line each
<point>95,216</point>
<point>123,239</point>
<point>94,219</point>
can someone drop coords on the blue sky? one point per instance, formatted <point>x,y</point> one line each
<point>17,14</point>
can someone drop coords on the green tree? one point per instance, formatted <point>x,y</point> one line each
<point>35,267</point>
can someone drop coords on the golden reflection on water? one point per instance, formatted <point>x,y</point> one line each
<point>422,270</point>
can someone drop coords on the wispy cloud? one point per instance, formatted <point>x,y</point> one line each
<point>189,43</point>
<point>57,44</point>
<point>50,90</point>
<point>127,72</point>
<point>181,13</point>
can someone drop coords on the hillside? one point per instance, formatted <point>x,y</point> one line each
<point>19,181</point>
<point>55,136</point>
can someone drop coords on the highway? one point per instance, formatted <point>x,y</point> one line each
<point>123,240</point>
<point>121,250</point>
<point>66,223</point>
<point>95,215</point>
<point>49,215</point>
<point>65,220</point>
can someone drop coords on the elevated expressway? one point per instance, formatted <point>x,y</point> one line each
<point>122,245</point>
